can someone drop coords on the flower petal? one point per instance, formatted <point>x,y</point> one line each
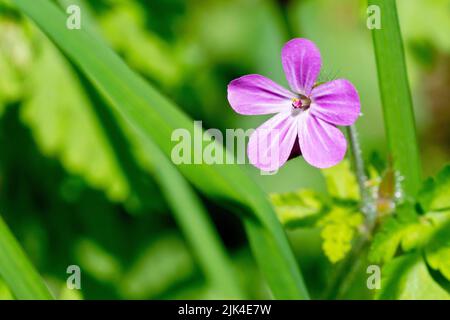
<point>255,94</point>
<point>336,102</point>
<point>322,144</point>
<point>301,63</point>
<point>270,145</point>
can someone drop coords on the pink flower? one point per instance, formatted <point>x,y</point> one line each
<point>306,117</point>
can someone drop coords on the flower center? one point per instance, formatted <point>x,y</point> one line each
<point>297,103</point>
<point>301,103</point>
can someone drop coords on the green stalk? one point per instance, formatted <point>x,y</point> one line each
<point>196,226</point>
<point>17,271</point>
<point>396,97</point>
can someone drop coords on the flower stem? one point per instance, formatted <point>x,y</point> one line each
<point>346,270</point>
<point>367,201</point>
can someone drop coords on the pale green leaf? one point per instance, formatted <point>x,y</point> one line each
<point>339,227</point>
<point>124,26</point>
<point>341,182</point>
<point>64,125</point>
<point>298,208</point>
<point>15,59</point>
<point>435,194</point>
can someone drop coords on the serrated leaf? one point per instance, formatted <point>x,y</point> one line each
<point>297,209</point>
<point>437,251</point>
<point>407,278</point>
<point>391,234</point>
<point>387,241</point>
<point>430,233</point>
<point>339,227</point>
<point>341,182</point>
<point>435,194</point>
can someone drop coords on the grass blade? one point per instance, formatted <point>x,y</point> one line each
<point>196,226</point>
<point>17,271</point>
<point>153,116</point>
<point>396,97</point>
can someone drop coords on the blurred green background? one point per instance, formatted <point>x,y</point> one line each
<point>76,189</point>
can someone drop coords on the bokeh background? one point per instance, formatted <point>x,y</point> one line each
<point>70,199</point>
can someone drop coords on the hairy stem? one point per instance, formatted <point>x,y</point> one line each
<point>367,201</point>
<point>346,270</point>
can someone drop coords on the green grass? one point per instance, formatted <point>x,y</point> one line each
<point>396,97</point>
<point>16,270</point>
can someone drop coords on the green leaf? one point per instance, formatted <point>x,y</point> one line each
<point>124,27</point>
<point>161,264</point>
<point>15,59</point>
<point>341,182</point>
<point>96,261</point>
<point>16,270</point>
<point>437,252</point>
<point>402,228</point>
<point>430,233</point>
<point>339,227</point>
<point>407,278</point>
<point>153,116</point>
<point>65,126</point>
<point>298,209</point>
<point>386,241</point>
<point>396,97</point>
<point>435,193</point>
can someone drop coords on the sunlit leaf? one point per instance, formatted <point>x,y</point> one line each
<point>339,227</point>
<point>299,208</point>
<point>434,195</point>
<point>96,261</point>
<point>124,27</point>
<point>386,241</point>
<point>59,113</point>
<point>437,252</point>
<point>341,181</point>
<point>407,278</point>
<point>15,59</point>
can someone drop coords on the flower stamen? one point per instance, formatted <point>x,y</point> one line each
<point>296,103</point>
<point>301,103</point>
